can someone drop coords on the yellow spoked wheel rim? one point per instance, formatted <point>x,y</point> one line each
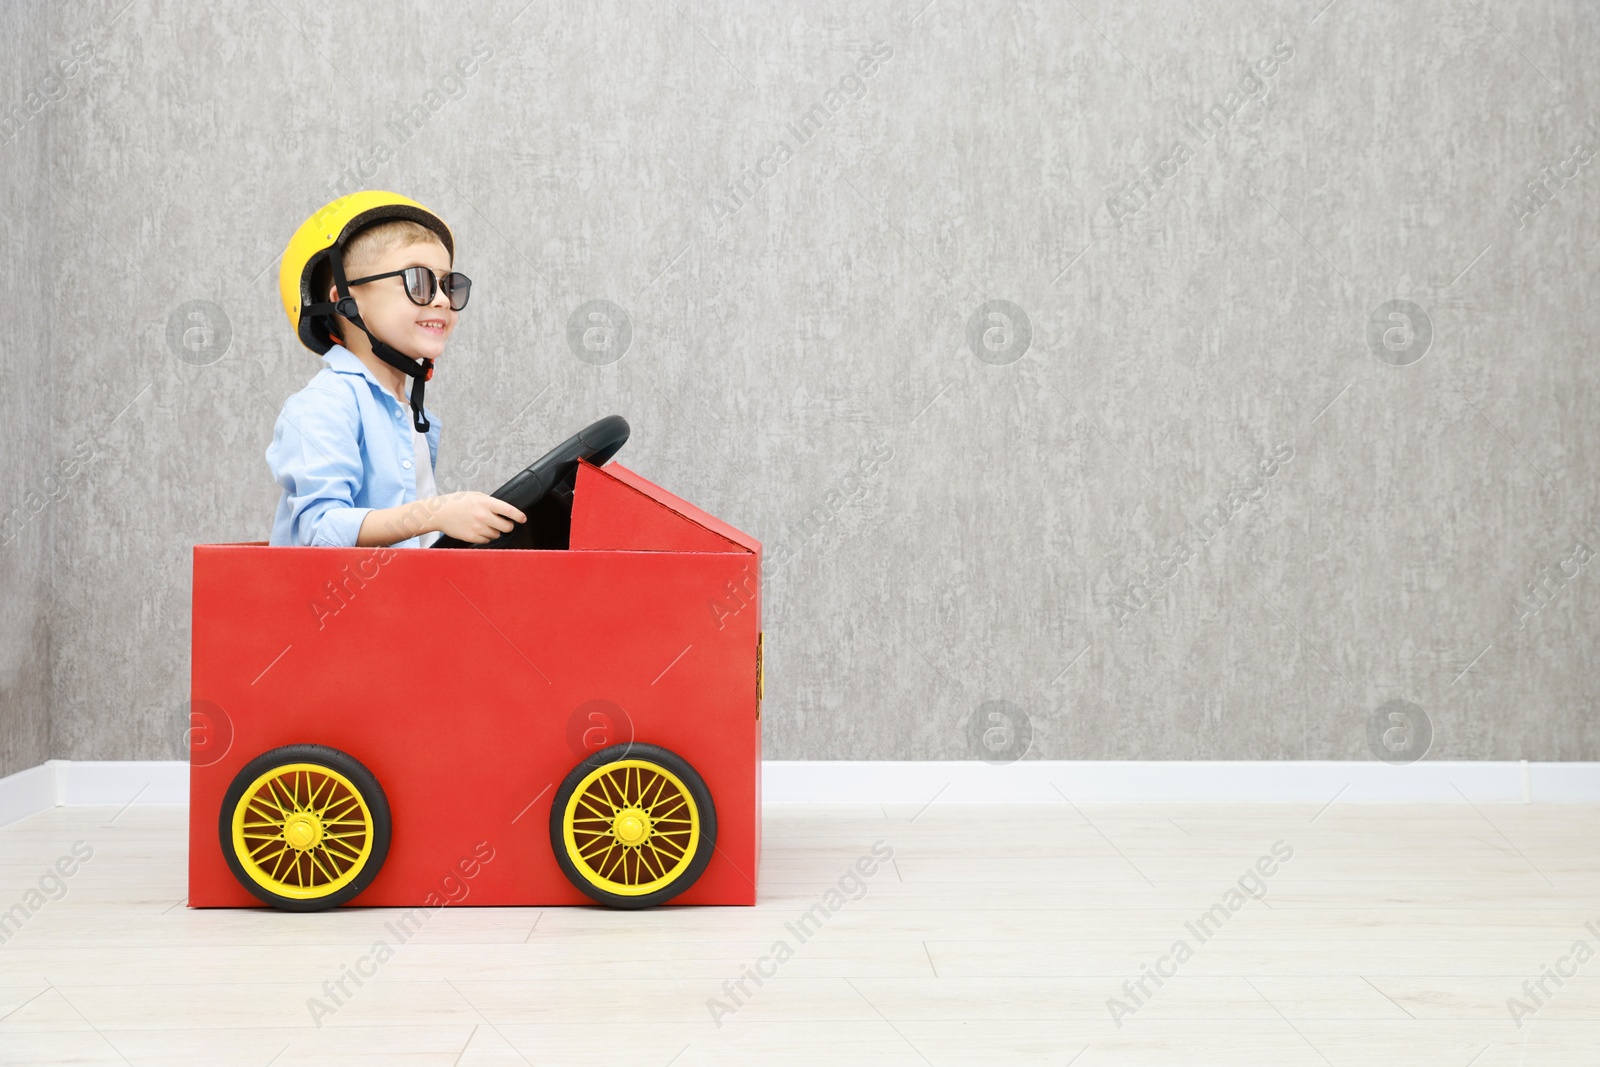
<point>631,827</point>
<point>302,831</point>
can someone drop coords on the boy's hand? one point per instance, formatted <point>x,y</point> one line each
<point>472,517</point>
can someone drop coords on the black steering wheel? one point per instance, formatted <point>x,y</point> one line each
<point>543,489</point>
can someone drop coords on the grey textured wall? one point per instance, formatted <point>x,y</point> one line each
<point>25,437</point>
<point>1195,489</point>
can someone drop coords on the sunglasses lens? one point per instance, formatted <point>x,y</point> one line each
<point>458,287</point>
<point>419,285</point>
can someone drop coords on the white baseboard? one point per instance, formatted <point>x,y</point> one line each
<point>1201,781</point>
<point>26,792</point>
<point>118,783</point>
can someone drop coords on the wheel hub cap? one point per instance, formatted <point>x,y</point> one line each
<point>631,826</point>
<point>303,831</point>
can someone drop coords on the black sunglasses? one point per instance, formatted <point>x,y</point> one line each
<point>421,285</point>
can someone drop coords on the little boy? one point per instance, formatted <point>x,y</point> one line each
<point>367,283</point>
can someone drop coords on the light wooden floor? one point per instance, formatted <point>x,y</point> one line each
<point>1394,935</point>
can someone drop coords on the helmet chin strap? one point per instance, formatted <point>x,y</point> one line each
<point>418,370</point>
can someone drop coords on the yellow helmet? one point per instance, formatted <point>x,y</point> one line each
<point>331,228</point>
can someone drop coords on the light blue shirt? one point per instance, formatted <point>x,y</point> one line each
<point>343,446</point>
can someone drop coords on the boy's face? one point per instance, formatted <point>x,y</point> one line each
<point>419,332</point>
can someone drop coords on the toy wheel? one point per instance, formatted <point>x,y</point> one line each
<point>633,825</point>
<point>305,827</point>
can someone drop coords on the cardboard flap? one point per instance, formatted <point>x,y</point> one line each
<point>615,509</point>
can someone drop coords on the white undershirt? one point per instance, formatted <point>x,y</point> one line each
<point>426,487</point>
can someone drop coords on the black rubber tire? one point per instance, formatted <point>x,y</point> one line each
<point>333,759</point>
<point>698,793</point>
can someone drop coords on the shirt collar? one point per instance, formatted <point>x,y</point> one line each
<point>343,361</point>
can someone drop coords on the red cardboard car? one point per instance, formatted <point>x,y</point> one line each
<point>538,726</point>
